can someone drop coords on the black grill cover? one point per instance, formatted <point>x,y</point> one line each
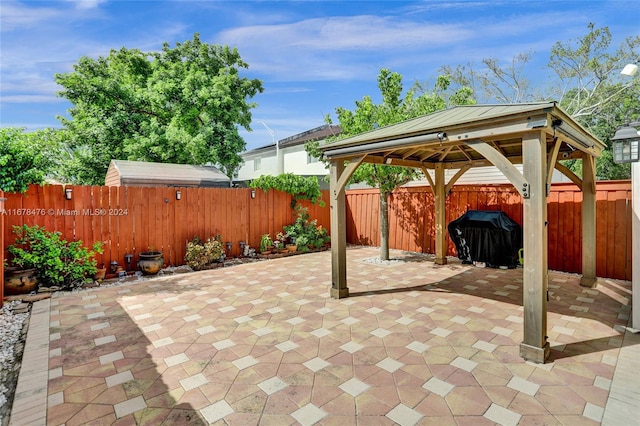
<point>486,236</point>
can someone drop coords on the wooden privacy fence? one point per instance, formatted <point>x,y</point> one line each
<point>135,219</point>
<point>138,219</point>
<point>412,218</point>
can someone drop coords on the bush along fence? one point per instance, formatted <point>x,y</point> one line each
<point>412,213</point>
<point>130,220</point>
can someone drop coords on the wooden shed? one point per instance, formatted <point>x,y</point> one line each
<point>140,173</point>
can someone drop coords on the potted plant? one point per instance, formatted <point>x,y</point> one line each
<point>100,274</point>
<point>292,247</point>
<point>57,262</point>
<point>265,243</point>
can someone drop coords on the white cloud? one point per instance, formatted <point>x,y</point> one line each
<point>15,15</point>
<point>87,4</point>
<point>346,34</point>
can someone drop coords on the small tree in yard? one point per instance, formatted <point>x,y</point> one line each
<point>393,109</point>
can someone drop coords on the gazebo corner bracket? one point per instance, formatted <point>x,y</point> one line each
<point>503,164</point>
<point>346,174</point>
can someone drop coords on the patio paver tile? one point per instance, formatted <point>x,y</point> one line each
<point>148,337</point>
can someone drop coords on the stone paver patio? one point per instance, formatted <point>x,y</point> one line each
<point>263,343</point>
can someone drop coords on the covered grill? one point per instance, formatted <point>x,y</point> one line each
<point>491,237</point>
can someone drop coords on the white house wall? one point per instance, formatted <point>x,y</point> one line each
<point>295,161</point>
<point>268,166</point>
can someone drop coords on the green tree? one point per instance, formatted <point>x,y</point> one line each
<point>586,83</point>
<point>394,108</point>
<point>592,91</point>
<point>180,105</point>
<point>26,158</point>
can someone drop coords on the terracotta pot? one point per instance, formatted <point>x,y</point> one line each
<point>150,262</point>
<point>20,281</point>
<point>99,276</point>
<point>292,247</point>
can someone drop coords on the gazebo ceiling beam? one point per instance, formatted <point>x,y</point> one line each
<point>444,154</point>
<point>504,165</point>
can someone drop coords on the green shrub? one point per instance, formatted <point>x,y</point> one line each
<point>299,187</point>
<point>201,254</point>
<point>57,261</point>
<point>306,232</point>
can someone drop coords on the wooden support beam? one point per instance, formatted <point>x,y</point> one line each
<point>455,178</point>
<point>551,163</point>
<point>535,275</point>
<point>346,174</point>
<point>444,154</point>
<point>588,222</point>
<point>504,165</point>
<point>568,173</point>
<point>441,226</point>
<point>337,174</point>
<point>429,179</point>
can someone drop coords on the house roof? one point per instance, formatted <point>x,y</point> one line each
<point>315,134</point>
<point>448,136</point>
<point>140,172</point>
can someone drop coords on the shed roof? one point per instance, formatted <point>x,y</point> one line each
<point>145,173</point>
<point>445,136</point>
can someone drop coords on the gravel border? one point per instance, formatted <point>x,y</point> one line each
<point>13,332</point>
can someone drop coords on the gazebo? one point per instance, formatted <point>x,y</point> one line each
<point>536,135</point>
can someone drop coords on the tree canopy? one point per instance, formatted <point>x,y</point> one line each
<point>586,83</point>
<point>26,158</point>
<point>179,105</point>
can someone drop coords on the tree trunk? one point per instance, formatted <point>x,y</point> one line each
<point>384,225</point>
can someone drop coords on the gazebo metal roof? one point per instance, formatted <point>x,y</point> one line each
<point>446,136</point>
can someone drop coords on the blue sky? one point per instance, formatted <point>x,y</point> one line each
<point>312,56</point>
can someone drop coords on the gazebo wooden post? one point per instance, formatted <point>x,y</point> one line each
<point>588,222</point>
<point>339,287</point>
<point>535,275</point>
<point>441,217</point>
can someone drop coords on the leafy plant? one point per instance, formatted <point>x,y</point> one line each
<point>265,242</point>
<point>57,261</point>
<point>299,187</point>
<point>306,232</point>
<point>201,254</point>
<point>303,243</point>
